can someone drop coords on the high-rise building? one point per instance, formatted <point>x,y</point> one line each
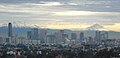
<point>101,35</point>
<point>9,29</point>
<point>90,40</point>
<point>104,35</point>
<point>81,37</point>
<point>51,39</point>
<point>73,36</point>
<point>1,40</point>
<point>97,36</point>
<point>59,37</point>
<point>35,34</point>
<point>43,35</point>
<point>29,35</point>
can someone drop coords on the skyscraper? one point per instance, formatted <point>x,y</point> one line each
<point>97,36</point>
<point>29,35</point>
<point>59,37</point>
<point>73,36</point>
<point>81,37</point>
<point>101,35</point>
<point>104,35</point>
<point>42,35</point>
<point>51,39</point>
<point>35,34</point>
<point>9,29</point>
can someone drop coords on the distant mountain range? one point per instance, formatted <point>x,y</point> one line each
<point>22,31</point>
<point>95,27</point>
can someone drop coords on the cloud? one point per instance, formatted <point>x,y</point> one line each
<point>70,14</point>
<point>18,1</point>
<point>67,26</point>
<point>114,27</point>
<point>84,13</point>
<point>48,4</point>
<point>74,13</point>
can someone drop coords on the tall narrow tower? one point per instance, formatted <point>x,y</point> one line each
<point>81,37</point>
<point>9,29</point>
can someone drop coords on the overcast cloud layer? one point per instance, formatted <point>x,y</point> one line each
<point>62,14</point>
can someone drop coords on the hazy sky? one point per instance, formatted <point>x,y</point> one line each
<point>62,14</point>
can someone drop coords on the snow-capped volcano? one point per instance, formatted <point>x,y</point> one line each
<point>95,27</point>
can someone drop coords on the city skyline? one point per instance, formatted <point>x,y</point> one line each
<point>59,44</point>
<point>59,28</point>
<point>60,14</point>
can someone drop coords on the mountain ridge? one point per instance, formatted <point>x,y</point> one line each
<point>22,31</point>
